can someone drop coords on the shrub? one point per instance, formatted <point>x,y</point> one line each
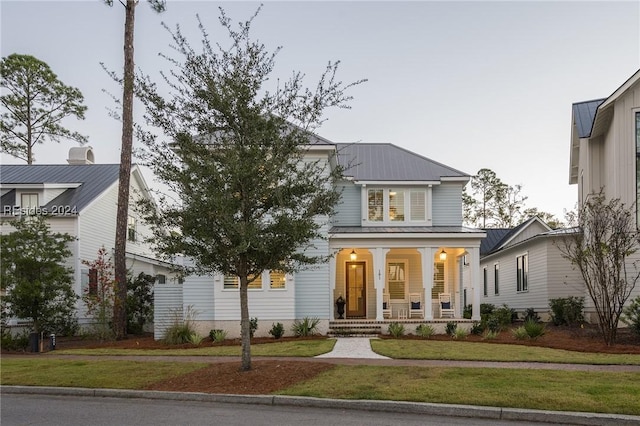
<point>306,327</point>
<point>277,330</point>
<point>451,328</point>
<point>139,302</point>
<point>396,329</point>
<point>195,339</point>
<point>493,325</point>
<point>181,329</point>
<point>460,334</point>
<point>631,315</point>
<point>477,328</point>
<point>253,326</point>
<point>217,335</point>
<point>490,335</point>
<point>520,333</point>
<point>567,311</point>
<point>505,316</point>
<point>534,328</point>
<point>425,330</point>
<point>18,342</point>
<point>486,309</point>
<point>530,314</point>
<point>467,311</point>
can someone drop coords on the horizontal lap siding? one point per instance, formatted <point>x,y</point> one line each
<point>312,294</point>
<point>348,209</point>
<point>564,280</point>
<point>447,204</point>
<point>198,293</point>
<point>167,307</point>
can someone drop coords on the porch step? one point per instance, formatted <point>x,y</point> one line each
<point>354,328</point>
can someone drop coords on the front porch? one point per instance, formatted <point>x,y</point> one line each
<point>405,284</point>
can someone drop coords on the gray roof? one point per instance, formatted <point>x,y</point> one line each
<point>494,238</point>
<point>404,230</point>
<point>94,179</point>
<point>584,113</point>
<point>388,162</point>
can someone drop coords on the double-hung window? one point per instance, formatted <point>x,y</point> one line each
<point>438,279</point>
<point>397,280</point>
<point>496,279</point>
<point>376,205</point>
<point>522,272</point>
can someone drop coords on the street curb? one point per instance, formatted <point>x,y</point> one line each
<point>449,410</point>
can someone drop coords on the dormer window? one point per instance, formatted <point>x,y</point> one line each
<point>29,201</point>
<point>131,229</point>
<point>397,205</point>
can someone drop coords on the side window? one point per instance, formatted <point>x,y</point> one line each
<point>231,282</point>
<point>496,279</point>
<point>522,272</point>
<point>485,291</point>
<point>277,280</point>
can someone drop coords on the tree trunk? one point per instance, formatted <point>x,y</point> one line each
<point>119,305</point>
<point>245,328</point>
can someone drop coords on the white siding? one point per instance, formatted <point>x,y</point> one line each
<point>167,307</point>
<point>447,204</point>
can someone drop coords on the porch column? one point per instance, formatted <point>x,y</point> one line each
<point>474,270</point>
<point>332,285</point>
<point>427,280</point>
<point>379,276</point>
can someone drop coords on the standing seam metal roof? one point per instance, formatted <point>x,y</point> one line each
<point>388,162</point>
<point>94,179</point>
<point>584,113</point>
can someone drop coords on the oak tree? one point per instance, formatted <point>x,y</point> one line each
<point>236,153</point>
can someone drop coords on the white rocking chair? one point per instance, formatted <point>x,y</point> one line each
<point>386,306</point>
<point>416,305</point>
<point>446,305</point>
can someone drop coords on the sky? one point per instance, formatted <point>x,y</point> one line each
<point>469,84</point>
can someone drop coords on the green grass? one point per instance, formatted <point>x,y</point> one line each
<point>90,374</point>
<point>474,351</point>
<point>302,348</point>
<point>534,389</point>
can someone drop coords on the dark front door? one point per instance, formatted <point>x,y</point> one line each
<point>356,290</point>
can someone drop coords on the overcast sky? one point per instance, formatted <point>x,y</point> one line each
<point>470,84</point>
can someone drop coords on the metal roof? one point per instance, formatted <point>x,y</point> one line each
<point>583,114</point>
<point>93,179</point>
<point>388,162</point>
<point>493,239</point>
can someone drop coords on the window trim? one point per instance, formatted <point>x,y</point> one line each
<point>522,278</point>
<point>485,287</point>
<point>405,262</point>
<point>406,205</point>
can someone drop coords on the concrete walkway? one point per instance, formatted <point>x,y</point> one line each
<point>352,347</point>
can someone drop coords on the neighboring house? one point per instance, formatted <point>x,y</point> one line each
<point>396,238</point>
<point>605,149</point>
<point>80,199</point>
<point>522,267</point>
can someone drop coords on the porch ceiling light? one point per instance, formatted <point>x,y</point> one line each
<point>443,255</point>
<point>353,255</point>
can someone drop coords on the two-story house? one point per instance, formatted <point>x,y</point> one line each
<point>605,148</point>
<point>80,199</point>
<point>396,242</point>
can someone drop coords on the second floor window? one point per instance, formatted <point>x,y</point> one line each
<point>131,228</point>
<point>396,205</point>
<point>29,201</point>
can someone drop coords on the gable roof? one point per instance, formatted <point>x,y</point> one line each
<point>584,114</point>
<point>388,162</point>
<point>93,179</point>
<point>497,239</point>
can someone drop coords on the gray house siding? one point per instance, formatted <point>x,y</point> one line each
<point>312,283</point>
<point>447,204</point>
<point>348,209</point>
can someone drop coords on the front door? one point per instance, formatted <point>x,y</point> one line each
<point>356,290</point>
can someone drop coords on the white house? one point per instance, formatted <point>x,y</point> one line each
<point>80,199</point>
<point>397,244</point>
<point>523,268</point>
<point>605,149</point>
